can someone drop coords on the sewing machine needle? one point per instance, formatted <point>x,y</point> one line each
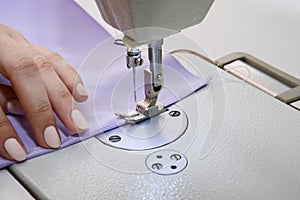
<point>134,83</point>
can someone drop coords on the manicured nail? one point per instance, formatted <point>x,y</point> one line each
<point>14,149</point>
<point>79,120</point>
<point>51,137</point>
<point>81,90</point>
<point>13,106</point>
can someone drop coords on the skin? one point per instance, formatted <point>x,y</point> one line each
<point>42,83</point>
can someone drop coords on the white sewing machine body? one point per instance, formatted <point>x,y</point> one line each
<point>233,151</point>
<point>240,143</point>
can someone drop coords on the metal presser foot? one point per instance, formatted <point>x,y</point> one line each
<point>153,79</point>
<point>159,131</point>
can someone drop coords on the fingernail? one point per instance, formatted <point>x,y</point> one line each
<point>51,137</point>
<point>14,149</point>
<point>81,90</point>
<point>14,107</point>
<point>79,120</point>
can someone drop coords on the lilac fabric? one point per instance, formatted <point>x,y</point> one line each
<point>62,26</point>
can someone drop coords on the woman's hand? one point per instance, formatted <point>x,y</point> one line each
<point>41,82</point>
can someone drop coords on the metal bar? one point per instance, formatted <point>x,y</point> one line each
<point>286,97</point>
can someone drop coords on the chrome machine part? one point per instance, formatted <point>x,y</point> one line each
<point>153,80</point>
<point>149,134</point>
<point>134,59</point>
<point>155,58</point>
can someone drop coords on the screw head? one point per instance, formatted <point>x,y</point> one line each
<point>114,138</point>
<point>174,113</point>
<point>175,157</point>
<point>159,77</point>
<point>138,61</point>
<point>157,166</point>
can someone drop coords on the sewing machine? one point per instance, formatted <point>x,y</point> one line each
<point>227,149</point>
<point>162,19</point>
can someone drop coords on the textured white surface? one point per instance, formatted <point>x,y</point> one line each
<point>10,188</point>
<point>256,154</point>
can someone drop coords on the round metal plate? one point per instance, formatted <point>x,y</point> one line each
<point>166,162</point>
<point>149,134</point>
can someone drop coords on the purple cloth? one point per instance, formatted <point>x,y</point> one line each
<point>62,26</point>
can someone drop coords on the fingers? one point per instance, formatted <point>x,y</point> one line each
<point>9,101</point>
<point>28,85</point>
<point>11,147</point>
<point>61,99</point>
<point>42,82</point>
<point>59,88</point>
<point>66,73</point>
